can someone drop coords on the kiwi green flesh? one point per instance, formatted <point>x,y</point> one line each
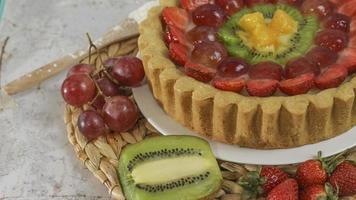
<point>299,43</point>
<point>292,11</point>
<point>170,167</point>
<point>266,9</point>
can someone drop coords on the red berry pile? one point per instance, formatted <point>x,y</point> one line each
<point>322,178</point>
<point>104,92</point>
<point>193,42</point>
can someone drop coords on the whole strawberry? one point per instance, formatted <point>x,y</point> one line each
<point>343,178</point>
<point>287,190</point>
<point>262,181</point>
<point>318,192</point>
<point>311,172</point>
<point>273,176</point>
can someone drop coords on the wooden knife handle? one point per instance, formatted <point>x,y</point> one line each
<point>35,77</point>
<point>127,29</point>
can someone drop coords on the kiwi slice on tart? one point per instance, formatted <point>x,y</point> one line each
<point>291,11</point>
<point>266,9</point>
<point>301,41</point>
<point>170,167</point>
<point>237,16</point>
<point>290,45</point>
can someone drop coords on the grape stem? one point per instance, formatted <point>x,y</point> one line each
<point>92,45</point>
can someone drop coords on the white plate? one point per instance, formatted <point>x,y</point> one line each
<point>168,126</point>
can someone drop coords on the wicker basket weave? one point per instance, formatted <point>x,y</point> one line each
<point>101,156</point>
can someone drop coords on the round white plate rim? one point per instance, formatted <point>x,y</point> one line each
<point>168,126</point>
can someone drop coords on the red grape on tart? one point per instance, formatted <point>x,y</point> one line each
<point>255,73</point>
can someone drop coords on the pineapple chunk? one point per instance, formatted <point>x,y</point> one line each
<point>257,34</point>
<point>250,22</point>
<point>264,40</point>
<point>265,35</point>
<point>283,23</point>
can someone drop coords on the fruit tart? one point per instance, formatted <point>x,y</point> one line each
<point>256,73</point>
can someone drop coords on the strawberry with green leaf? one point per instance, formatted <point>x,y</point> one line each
<point>343,178</point>
<point>262,181</point>
<point>340,173</point>
<point>287,190</point>
<point>318,192</point>
<point>312,172</point>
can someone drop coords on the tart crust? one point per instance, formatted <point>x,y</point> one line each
<point>264,123</point>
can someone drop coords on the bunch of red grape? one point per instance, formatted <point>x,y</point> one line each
<point>105,93</point>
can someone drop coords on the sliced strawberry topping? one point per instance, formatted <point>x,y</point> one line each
<point>353,26</point>
<point>199,72</point>
<point>347,8</point>
<point>250,3</point>
<point>298,85</point>
<point>229,84</point>
<point>191,5</point>
<point>348,59</point>
<point>262,87</point>
<point>176,35</point>
<point>297,67</point>
<point>176,17</point>
<point>266,70</point>
<point>178,53</point>
<point>331,78</point>
<point>292,2</point>
<point>340,2</point>
<point>352,42</point>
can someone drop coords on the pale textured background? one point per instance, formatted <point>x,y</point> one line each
<point>36,160</point>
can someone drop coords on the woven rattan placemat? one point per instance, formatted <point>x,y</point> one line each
<point>101,156</point>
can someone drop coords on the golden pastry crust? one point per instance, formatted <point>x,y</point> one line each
<point>264,123</point>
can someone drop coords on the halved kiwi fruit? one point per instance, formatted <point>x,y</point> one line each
<point>170,167</point>
<point>297,46</point>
